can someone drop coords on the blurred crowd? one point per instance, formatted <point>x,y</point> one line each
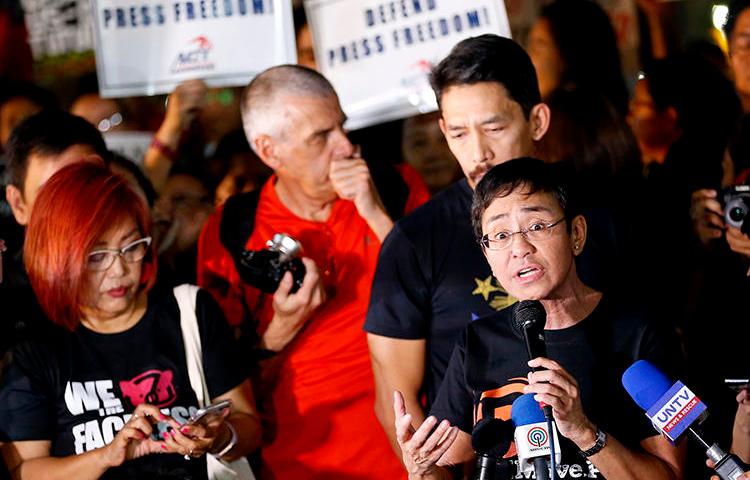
<point>656,164</point>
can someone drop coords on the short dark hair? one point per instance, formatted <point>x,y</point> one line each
<point>531,174</point>
<point>49,132</point>
<point>489,58</point>
<point>35,94</point>
<point>736,7</point>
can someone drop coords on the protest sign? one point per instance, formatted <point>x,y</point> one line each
<point>378,53</point>
<point>58,27</point>
<point>149,46</point>
<point>130,144</point>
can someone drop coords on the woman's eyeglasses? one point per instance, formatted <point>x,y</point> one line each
<point>502,239</point>
<point>102,259</point>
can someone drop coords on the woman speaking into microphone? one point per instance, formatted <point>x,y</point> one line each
<point>531,235</point>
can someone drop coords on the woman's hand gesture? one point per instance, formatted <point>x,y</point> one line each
<point>134,438</point>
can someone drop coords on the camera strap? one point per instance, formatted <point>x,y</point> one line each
<point>237,222</point>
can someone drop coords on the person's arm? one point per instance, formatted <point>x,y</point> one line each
<point>182,107</point>
<point>741,429</point>
<point>291,311</point>
<point>557,388</point>
<point>352,181</point>
<point>30,460</point>
<point>738,242</point>
<point>397,364</point>
<point>707,215</point>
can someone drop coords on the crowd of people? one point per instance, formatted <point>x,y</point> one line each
<point>355,309</point>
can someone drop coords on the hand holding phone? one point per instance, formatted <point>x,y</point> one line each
<point>737,384</point>
<point>209,413</point>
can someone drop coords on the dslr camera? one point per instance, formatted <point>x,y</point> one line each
<point>737,207</point>
<point>264,269</point>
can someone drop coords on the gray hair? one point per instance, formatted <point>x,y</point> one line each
<point>263,112</point>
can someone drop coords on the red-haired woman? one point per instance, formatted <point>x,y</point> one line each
<point>91,397</point>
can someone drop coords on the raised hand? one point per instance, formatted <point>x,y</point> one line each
<point>421,448</point>
<point>351,180</point>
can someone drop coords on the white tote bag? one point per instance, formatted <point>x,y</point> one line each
<point>186,296</point>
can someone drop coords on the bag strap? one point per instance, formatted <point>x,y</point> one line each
<point>186,296</point>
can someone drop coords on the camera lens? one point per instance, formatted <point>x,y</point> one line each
<point>737,214</point>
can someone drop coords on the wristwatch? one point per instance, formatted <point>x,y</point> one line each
<point>601,442</point>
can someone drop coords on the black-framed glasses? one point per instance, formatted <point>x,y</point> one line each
<point>102,259</point>
<point>534,232</point>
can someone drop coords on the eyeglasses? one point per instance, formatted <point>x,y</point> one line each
<point>107,124</point>
<point>100,260</point>
<point>535,231</point>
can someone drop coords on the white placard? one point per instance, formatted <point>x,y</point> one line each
<point>149,46</point>
<point>130,144</point>
<point>58,27</point>
<point>378,53</point>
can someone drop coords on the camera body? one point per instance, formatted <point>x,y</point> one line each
<point>264,269</point>
<point>737,207</point>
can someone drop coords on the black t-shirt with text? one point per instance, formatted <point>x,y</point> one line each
<point>77,389</point>
<point>488,372</point>
<point>432,279</point>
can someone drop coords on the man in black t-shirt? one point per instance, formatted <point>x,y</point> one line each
<point>431,278</point>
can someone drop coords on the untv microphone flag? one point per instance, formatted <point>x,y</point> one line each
<point>671,408</point>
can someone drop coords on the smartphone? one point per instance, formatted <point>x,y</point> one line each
<point>209,412</point>
<point>737,384</point>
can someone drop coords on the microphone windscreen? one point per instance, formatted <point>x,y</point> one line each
<point>525,410</point>
<point>529,312</point>
<point>645,383</point>
<point>492,436</point>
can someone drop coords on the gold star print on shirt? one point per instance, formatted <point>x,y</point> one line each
<point>487,287</point>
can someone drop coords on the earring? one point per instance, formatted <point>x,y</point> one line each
<point>575,247</point>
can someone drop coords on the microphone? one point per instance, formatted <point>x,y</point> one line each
<point>530,317</point>
<point>673,410</point>
<point>490,439</point>
<point>534,437</point>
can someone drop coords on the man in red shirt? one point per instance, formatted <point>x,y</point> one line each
<point>323,195</point>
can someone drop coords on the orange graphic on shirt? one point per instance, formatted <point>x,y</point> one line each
<point>497,403</point>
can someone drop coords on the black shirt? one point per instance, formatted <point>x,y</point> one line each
<point>432,279</point>
<point>77,389</point>
<point>488,372</point>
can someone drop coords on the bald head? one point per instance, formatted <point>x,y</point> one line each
<point>264,108</point>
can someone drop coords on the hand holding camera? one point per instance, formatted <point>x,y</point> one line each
<point>707,215</point>
<point>736,211</point>
<point>293,308</point>
<point>713,213</point>
<point>264,269</point>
